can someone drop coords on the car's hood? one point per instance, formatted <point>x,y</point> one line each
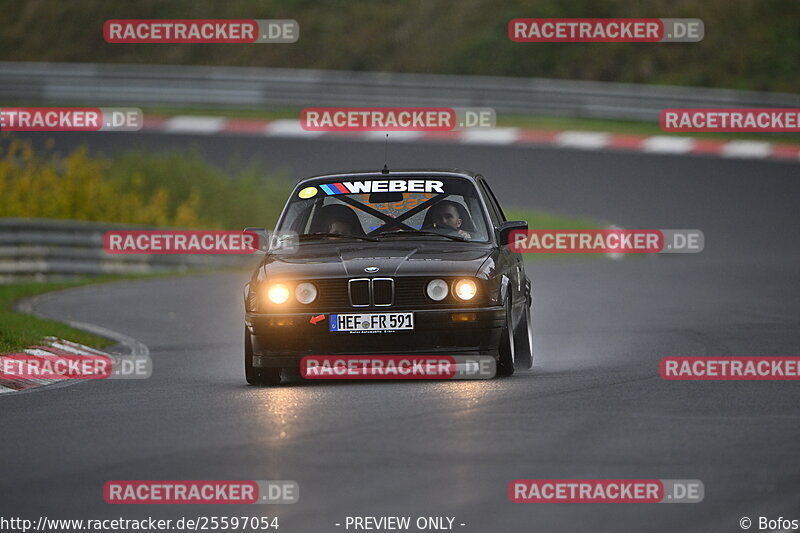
<point>392,258</point>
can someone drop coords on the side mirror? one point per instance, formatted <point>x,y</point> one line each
<point>262,237</point>
<point>507,227</point>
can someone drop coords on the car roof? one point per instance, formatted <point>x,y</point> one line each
<point>444,173</point>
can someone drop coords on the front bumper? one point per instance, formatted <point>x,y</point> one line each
<point>280,340</point>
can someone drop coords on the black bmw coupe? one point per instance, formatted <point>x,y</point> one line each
<point>388,263</point>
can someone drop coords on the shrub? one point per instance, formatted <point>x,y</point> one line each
<point>166,189</point>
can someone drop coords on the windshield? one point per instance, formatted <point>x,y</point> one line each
<point>373,208</point>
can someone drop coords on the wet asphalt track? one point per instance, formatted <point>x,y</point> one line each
<point>593,407</point>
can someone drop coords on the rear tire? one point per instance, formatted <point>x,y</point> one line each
<point>257,376</point>
<point>505,364</point>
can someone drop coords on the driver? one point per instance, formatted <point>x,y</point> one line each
<point>445,214</point>
<point>340,219</point>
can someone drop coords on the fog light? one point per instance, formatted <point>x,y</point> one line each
<point>278,293</point>
<point>465,289</point>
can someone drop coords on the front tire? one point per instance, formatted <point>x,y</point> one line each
<point>257,376</point>
<point>523,340</point>
<point>505,364</point>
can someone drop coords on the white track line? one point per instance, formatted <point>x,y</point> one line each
<point>29,306</point>
<point>394,136</point>
<point>190,124</point>
<point>67,348</point>
<point>747,149</point>
<point>289,128</point>
<point>661,144</point>
<point>37,352</point>
<point>490,136</point>
<point>134,346</point>
<point>586,140</point>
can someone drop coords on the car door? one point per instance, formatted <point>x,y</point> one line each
<point>510,263</point>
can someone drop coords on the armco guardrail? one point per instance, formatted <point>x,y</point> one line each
<point>260,88</point>
<point>39,249</point>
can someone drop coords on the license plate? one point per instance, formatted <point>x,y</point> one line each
<point>371,322</point>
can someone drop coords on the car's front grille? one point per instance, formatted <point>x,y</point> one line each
<point>359,292</point>
<point>365,292</point>
<point>397,293</point>
<point>382,291</point>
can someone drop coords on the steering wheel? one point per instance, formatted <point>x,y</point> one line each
<point>445,230</point>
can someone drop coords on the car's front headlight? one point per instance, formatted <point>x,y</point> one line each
<point>277,293</point>
<point>465,289</point>
<point>305,293</point>
<point>437,290</point>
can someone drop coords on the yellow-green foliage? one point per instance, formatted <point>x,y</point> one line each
<point>169,189</point>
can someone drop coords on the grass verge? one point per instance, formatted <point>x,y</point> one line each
<point>18,330</point>
<point>546,220</point>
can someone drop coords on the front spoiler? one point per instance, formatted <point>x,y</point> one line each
<point>279,341</point>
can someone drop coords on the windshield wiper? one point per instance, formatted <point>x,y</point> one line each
<point>310,236</point>
<point>422,232</point>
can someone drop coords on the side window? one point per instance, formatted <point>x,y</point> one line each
<point>495,203</point>
<point>493,213</point>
